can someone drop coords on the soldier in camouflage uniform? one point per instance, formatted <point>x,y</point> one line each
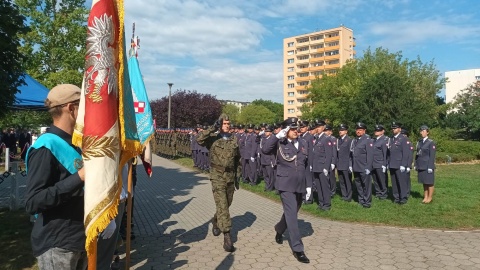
<point>224,156</point>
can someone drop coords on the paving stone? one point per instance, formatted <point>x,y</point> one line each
<point>173,231</point>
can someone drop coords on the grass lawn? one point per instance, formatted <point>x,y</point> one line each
<point>15,250</point>
<point>455,205</point>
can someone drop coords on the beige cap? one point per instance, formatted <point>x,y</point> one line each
<point>62,94</point>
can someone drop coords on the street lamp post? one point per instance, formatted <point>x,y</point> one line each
<point>169,102</point>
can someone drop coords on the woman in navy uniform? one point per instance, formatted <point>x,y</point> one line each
<point>425,164</point>
<point>290,182</point>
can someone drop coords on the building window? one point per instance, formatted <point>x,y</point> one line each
<point>290,69</point>
<point>332,35</point>
<point>331,44</point>
<point>318,64</point>
<point>303,83</point>
<point>303,74</point>
<point>290,77</point>
<point>304,57</point>
<point>303,49</point>
<point>290,61</point>
<point>333,62</point>
<point>303,66</point>
<point>317,55</point>
<point>290,53</point>
<point>331,53</point>
<point>319,46</point>
<point>317,37</point>
<point>317,73</point>
<point>303,40</point>
<point>291,94</point>
<point>290,102</point>
<point>290,44</point>
<point>291,110</point>
<point>303,92</point>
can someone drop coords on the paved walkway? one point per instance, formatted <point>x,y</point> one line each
<point>173,209</point>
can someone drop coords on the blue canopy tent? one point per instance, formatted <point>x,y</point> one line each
<point>31,95</point>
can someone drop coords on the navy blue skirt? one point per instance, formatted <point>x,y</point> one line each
<point>426,178</point>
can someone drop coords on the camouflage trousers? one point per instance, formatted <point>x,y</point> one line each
<point>223,196</point>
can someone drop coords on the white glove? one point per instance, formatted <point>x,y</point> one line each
<point>108,232</point>
<point>408,169</point>
<point>282,133</point>
<point>367,171</point>
<point>402,169</point>
<point>311,169</point>
<point>332,166</point>
<point>309,193</point>
<point>429,171</point>
<point>252,159</point>
<point>325,172</point>
<point>350,169</point>
<point>384,169</point>
<point>261,132</point>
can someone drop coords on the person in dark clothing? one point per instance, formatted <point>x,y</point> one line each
<point>55,181</point>
<point>290,182</point>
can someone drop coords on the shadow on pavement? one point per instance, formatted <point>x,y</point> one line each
<point>156,200</point>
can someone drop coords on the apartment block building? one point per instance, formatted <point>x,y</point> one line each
<point>312,55</point>
<point>458,80</point>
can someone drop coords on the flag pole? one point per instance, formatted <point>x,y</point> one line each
<point>129,215</point>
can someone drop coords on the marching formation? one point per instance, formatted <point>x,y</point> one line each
<point>297,158</point>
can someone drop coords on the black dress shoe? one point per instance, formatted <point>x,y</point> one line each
<point>300,256</point>
<point>279,238</point>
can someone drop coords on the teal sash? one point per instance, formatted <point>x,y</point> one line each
<point>61,150</point>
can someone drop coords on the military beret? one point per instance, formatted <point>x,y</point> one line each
<point>257,128</point>
<point>240,126</point>
<point>328,127</point>
<point>360,125</point>
<point>250,126</point>
<point>379,127</point>
<point>263,124</point>
<point>343,127</point>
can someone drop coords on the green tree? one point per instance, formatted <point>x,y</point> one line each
<point>232,111</point>
<point>380,87</point>
<point>11,59</point>
<point>467,109</point>
<point>25,119</point>
<point>256,114</point>
<point>275,107</point>
<point>55,43</point>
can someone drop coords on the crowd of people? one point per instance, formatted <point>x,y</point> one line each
<point>297,158</point>
<point>17,141</point>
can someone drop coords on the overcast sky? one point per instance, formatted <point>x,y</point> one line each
<point>233,49</point>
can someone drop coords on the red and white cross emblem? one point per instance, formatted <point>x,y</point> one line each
<point>139,106</point>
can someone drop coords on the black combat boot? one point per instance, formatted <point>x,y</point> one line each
<point>227,242</point>
<point>215,230</point>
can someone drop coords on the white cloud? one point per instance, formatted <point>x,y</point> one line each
<point>401,33</point>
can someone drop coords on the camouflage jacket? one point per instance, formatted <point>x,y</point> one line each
<point>224,154</point>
